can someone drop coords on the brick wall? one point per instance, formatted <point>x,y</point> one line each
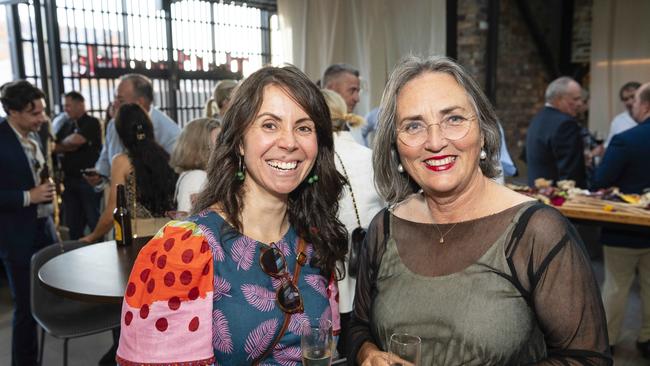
<point>521,75</point>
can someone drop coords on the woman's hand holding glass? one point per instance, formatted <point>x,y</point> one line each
<point>404,349</point>
<point>316,342</point>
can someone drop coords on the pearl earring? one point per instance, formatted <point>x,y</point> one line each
<point>400,168</point>
<point>483,155</point>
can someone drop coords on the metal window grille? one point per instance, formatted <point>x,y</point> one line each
<point>184,47</point>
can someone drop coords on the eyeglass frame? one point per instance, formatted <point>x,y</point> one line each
<point>401,130</point>
<point>301,258</point>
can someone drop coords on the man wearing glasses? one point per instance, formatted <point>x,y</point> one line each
<point>25,216</point>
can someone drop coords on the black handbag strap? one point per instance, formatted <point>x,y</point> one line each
<point>347,178</point>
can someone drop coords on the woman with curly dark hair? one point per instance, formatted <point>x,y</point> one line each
<point>143,169</point>
<point>234,282</point>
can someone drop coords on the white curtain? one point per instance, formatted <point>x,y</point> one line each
<point>620,52</point>
<point>371,35</point>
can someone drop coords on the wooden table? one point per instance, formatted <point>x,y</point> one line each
<point>96,272</point>
<point>592,209</point>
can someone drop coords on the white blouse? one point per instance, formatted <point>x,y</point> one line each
<point>358,165</point>
<point>189,182</point>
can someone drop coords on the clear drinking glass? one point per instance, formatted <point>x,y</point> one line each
<point>316,342</point>
<point>404,349</point>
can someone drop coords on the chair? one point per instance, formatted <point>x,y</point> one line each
<point>64,318</point>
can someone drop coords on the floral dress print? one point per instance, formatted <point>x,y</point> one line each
<point>198,296</point>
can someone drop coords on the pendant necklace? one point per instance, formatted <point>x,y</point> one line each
<point>442,236</point>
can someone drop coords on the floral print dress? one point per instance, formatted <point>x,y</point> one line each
<point>198,296</point>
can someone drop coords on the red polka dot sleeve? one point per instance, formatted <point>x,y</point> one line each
<point>167,308</point>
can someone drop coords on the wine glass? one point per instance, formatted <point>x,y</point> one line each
<point>316,342</point>
<point>404,349</point>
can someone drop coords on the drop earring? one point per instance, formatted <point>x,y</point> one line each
<point>242,169</point>
<point>313,179</point>
<point>400,168</point>
<point>483,155</point>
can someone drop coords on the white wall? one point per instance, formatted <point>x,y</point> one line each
<point>620,52</point>
<point>371,35</point>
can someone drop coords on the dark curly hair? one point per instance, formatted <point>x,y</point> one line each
<point>19,95</point>
<point>154,177</point>
<point>312,208</point>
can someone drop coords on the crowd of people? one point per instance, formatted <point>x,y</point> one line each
<point>272,209</point>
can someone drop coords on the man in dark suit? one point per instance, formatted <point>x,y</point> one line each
<point>25,217</point>
<point>625,165</point>
<point>554,148</point>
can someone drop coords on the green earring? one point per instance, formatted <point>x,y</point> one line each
<point>240,173</point>
<point>313,179</point>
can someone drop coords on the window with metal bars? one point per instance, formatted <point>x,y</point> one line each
<point>185,47</point>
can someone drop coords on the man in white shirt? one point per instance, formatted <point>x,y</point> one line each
<point>624,120</point>
<point>134,88</point>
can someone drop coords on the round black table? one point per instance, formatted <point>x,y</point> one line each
<point>96,272</point>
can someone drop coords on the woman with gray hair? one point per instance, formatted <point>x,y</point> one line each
<point>483,275</point>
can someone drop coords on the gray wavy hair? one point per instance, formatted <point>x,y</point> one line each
<point>393,186</point>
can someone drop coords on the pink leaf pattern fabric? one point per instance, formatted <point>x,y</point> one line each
<point>259,297</point>
<point>221,288</point>
<point>297,323</point>
<point>309,251</point>
<point>243,251</point>
<point>287,356</point>
<point>217,249</point>
<point>317,283</point>
<point>283,247</point>
<point>276,282</point>
<point>221,339</point>
<point>325,316</point>
<point>260,338</point>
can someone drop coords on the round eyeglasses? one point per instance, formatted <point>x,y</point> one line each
<point>415,132</point>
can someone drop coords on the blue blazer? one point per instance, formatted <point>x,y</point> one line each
<point>17,223</point>
<point>554,148</point>
<point>625,165</point>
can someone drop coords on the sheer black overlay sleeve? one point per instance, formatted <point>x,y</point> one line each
<point>370,256</point>
<point>551,265</point>
<point>547,263</point>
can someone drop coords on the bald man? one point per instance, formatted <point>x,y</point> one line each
<point>554,147</point>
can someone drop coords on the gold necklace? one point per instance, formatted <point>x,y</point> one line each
<point>442,236</point>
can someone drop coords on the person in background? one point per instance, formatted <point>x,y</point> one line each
<point>133,88</point>
<point>143,168</point>
<point>360,201</point>
<point>109,114</point>
<point>624,121</point>
<point>627,253</point>
<point>508,167</point>
<point>190,159</point>
<point>464,263</point>
<point>554,147</point>
<point>218,104</point>
<point>262,247</point>
<point>344,79</point>
<point>368,130</point>
<point>26,224</point>
<point>79,141</point>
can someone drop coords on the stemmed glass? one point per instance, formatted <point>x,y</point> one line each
<point>404,349</point>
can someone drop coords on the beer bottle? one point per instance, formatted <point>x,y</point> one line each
<point>45,177</point>
<point>122,219</point>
